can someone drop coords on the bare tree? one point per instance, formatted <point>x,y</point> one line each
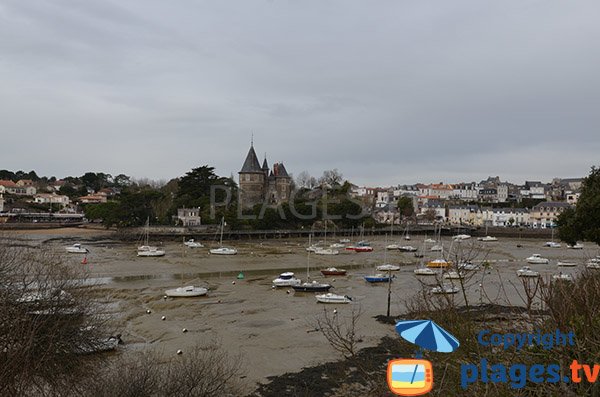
<point>340,331</point>
<point>305,180</point>
<point>48,319</point>
<point>331,178</point>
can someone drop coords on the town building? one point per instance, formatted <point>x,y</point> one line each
<point>258,185</point>
<point>49,198</point>
<point>98,198</point>
<point>545,214</point>
<point>10,187</point>
<point>188,217</point>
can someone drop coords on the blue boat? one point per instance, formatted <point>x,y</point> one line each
<point>378,278</point>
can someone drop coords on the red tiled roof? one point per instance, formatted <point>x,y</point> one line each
<point>6,183</point>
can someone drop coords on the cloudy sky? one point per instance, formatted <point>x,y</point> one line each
<point>393,91</point>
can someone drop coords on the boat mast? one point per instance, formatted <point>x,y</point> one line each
<point>308,258</point>
<point>222,226</point>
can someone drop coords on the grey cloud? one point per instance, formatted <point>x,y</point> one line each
<point>387,92</point>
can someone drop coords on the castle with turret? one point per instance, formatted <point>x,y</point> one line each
<point>260,185</point>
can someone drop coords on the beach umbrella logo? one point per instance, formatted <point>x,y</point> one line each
<point>414,377</point>
<point>427,335</point>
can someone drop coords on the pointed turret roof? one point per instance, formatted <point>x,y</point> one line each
<point>265,166</point>
<point>251,164</point>
<point>280,170</point>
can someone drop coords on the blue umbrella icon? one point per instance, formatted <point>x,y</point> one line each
<point>427,335</point>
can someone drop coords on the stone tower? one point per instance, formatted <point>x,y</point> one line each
<point>252,181</point>
<point>259,184</point>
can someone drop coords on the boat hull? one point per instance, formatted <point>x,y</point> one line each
<point>338,272</point>
<point>186,292</point>
<point>311,288</point>
<point>332,298</point>
<point>221,251</point>
<point>373,279</point>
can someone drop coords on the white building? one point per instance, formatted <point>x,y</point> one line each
<point>506,217</point>
<point>463,215</point>
<point>465,191</point>
<point>45,198</point>
<point>188,216</point>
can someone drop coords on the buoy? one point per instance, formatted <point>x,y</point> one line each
<point>165,297</point>
<point>184,330</point>
<point>148,311</point>
<point>334,311</point>
<point>179,351</point>
<point>233,282</point>
<point>333,280</point>
<point>84,261</point>
<point>273,287</point>
<point>240,276</point>
<point>163,318</point>
<point>287,292</point>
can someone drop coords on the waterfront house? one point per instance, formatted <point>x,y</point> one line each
<point>544,214</point>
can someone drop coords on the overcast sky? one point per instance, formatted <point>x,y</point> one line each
<point>392,91</point>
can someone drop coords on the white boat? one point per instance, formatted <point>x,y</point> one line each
<point>286,279</point>
<point>487,239</point>
<point>147,250</point>
<point>552,244</point>
<point>77,249</point>
<point>333,298</point>
<point>344,240</point>
<point>526,271</point>
<point>537,259</point>
<point>407,248</point>
<point>576,246</point>
<point>452,275</point>
<point>429,241</point>
<point>446,289</point>
<point>566,264</point>
<point>313,248</point>
<point>326,251</point>
<point>468,266</point>
<point>425,271</point>
<point>437,248</point>
<point>337,245</point>
<point>223,250</point>
<point>186,292</point>
<point>392,247</point>
<point>387,268</point>
<point>562,277</point>
<point>593,265</point>
<point>193,244</point>
<point>461,237</point>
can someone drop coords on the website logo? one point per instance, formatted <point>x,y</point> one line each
<point>413,377</point>
<point>410,377</point>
